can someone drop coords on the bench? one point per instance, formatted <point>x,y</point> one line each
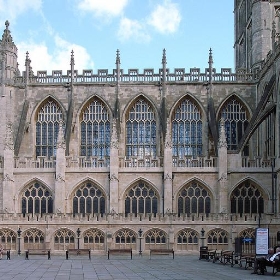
<point>161,252</point>
<point>38,252</point>
<point>78,252</point>
<point>6,252</point>
<point>227,257</point>
<point>120,251</point>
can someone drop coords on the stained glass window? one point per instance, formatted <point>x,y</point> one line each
<point>95,130</point>
<point>187,130</point>
<point>141,130</point>
<point>236,121</point>
<point>47,126</point>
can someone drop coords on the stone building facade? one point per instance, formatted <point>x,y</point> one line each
<point>160,158</point>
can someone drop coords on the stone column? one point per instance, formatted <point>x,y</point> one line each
<point>114,171</point>
<point>60,194</point>
<point>167,176</point>
<point>222,193</point>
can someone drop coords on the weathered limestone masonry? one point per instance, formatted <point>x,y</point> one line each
<point>168,159</point>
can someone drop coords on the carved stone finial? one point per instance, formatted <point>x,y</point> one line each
<point>72,62</point>
<point>164,62</point>
<point>222,138</point>
<point>118,59</point>
<point>210,62</point>
<point>6,37</point>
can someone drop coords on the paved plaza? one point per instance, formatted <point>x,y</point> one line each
<point>121,268</point>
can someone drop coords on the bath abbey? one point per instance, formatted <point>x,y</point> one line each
<point>168,158</point>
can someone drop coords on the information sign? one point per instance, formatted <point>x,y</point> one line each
<point>262,241</point>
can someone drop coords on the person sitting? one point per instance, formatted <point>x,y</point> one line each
<point>260,262</point>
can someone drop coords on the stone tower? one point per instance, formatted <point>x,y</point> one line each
<point>254,21</point>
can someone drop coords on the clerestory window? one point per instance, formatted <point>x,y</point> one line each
<point>95,130</point>
<point>187,130</point>
<point>141,130</point>
<point>47,126</point>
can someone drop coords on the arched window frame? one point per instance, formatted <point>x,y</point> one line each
<point>95,130</point>
<point>187,127</point>
<point>36,198</point>
<point>89,198</point>
<point>141,198</point>
<point>141,130</point>
<point>47,126</point>
<point>236,118</point>
<point>194,198</point>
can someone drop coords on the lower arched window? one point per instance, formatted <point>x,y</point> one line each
<point>187,239</point>
<point>89,199</point>
<point>36,199</point>
<point>155,238</point>
<point>194,199</point>
<point>94,239</point>
<point>141,198</point>
<point>125,238</point>
<point>8,238</point>
<point>33,239</point>
<point>217,239</point>
<point>247,199</point>
<point>64,239</point>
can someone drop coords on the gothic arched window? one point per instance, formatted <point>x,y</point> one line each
<point>141,199</point>
<point>36,199</point>
<point>8,238</point>
<point>33,239</point>
<point>187,130</point>
<point>88,198</point>
<point>47,126</point>
<point>187,239</point>
<point>155,238</point>
<point>64,239</point>
<point>95,130</point>
<point>125,238</point>
<point>141,130</point>
<point>194,198</point>
<point>247,199</point>
<point>236,121</point>
<point>217,238</point>
<point>94,239</point>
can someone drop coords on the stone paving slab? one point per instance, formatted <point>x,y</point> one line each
<point>122,268</point>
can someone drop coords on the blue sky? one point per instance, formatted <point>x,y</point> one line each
<point>140,29</point>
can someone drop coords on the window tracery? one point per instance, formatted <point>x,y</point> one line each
<point>95,130</point>
<point>247,199</point>
<point>141,130</point>
<point>94,239</point>
<point>47,126</point>
<point>217,238</point>
<point>89,199</point>
<point>187,239</point>
<point>64,239</point>
<point>141,198</point>
<point>33,239</point>
<point>125,238</point>
<point>194,198</point>
<point>36,199</point>
<point>155,238</point>
<point>187,130</point>
<point>236,121</point>
<point>8,238</point>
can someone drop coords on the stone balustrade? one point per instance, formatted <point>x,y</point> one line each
<point>133,75</point>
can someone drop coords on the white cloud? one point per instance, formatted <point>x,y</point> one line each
<point>165,18</point>
<point>132,29</point>
<point>11,9</point>
<point>42,59</point>
<point>101,8</point>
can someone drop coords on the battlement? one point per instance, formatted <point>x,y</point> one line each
<point>195,75</point>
